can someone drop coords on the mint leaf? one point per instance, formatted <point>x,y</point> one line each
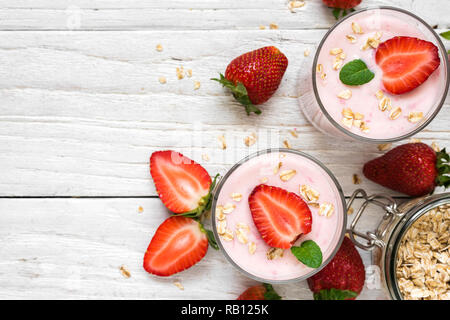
<point>355,73</point>
<point>445,35</point>
<point>334,294</point>
<point>308,253</point>
<point>270,294</point>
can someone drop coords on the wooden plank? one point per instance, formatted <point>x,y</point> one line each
<point>73,249</point>
<point>190,14</point>
<point>82,112</point>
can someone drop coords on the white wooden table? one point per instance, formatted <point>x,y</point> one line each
<point>81,110</point>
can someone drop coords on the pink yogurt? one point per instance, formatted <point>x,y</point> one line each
<point>426,98</point>
<point>327,232</point>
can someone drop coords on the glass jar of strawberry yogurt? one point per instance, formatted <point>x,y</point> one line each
<point>235,230</point>
<point>361,86</point>
<point>410,246</point>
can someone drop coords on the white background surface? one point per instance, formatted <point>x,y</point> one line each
<point>81,110</point>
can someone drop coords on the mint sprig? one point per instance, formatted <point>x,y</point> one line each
<point>308,253</point>
<point>445,35</point>
<point>355,73</point>
<point>334,294</point>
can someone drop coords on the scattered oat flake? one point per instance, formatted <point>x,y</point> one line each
<point>223,142</point>
<point>306,52</point>
<point>241,235</point>
<point>414,117</point>
<point>379,94</point>
<point>205,157</point>
<point>273,26</point>
<point>124,271</point>
<point>178,285</point>
<point>395,113</point>
<point>415,140</point>
<point>385,103</point>
<point>140,209</point>
<point>287,144</point>
<point>196,85</point>
<point>319,68</point>
<point>384,146</point>
<point>189,73</point>
<point>180,73</point>
<point>228,208</point>
<point>222,227</point>
<point>242,226</point>
<point>228,235</point>
<point>435,146</point>
<point>357,28</point>
<point>293,133</point>
<point>219,213</point>
<point>326,209</point>
<point>162,80</point>
<point>251,247</point>
<point>250,140</point>
<point>345,94</point>
<point>350,211</point>
<point>236,196</point>
<point>351,38</point>
<point>348,122</point>
<point>309,194</point>
<point>295,5</point>
<point>261,27</point>
<point>286,175</point>
<point>336,51</point>
<point>277,168</point>
<point>159,47</point>
<point>337,64</point>
<point>274,253</point>
<point>323,76</point>
<point>356,179</point>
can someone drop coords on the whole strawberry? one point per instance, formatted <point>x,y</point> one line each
<point>414,169</point>
<point>255,76</point>
<point>342,4</point>
<point>343,278</point>
<point>260,292</point>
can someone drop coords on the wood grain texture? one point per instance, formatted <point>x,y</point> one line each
<point>82,111</point>
<point>190,14</point>
<point>73,249</point>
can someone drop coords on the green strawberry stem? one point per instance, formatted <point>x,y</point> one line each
<point>210,235</point>
<point>270,294</point>
<point>240,94</point>
<point>443,168</point>
<point>334,294</point>
<point>204,204</point>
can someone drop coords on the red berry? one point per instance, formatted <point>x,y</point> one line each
<point>180,182</point>
<point>255,76</point>
<point>406,63</point>
<point>345,272</point>
<point>260,292</point>
<point>409,168</point>
<point>281,217</point>
<point>178,244</point>
<point>342,4</point>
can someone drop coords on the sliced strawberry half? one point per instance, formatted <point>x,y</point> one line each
<point>406,63</point>
<point>177,245</point>
<point>281,217</point>
<point>182,184</point>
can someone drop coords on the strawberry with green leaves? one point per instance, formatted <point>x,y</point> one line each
<point>342,278</point>
<point>178,244</point>
<point>183,185</point>
<point>255,76</point>
<point>341,6</point>
<point>413,168</point>
<point>260,292</point>
<point>181,240</point>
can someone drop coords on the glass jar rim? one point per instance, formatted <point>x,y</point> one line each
<point>443,53</point>
<point>279,150</point>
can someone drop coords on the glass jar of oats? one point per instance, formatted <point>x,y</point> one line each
<point>411,245</point>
